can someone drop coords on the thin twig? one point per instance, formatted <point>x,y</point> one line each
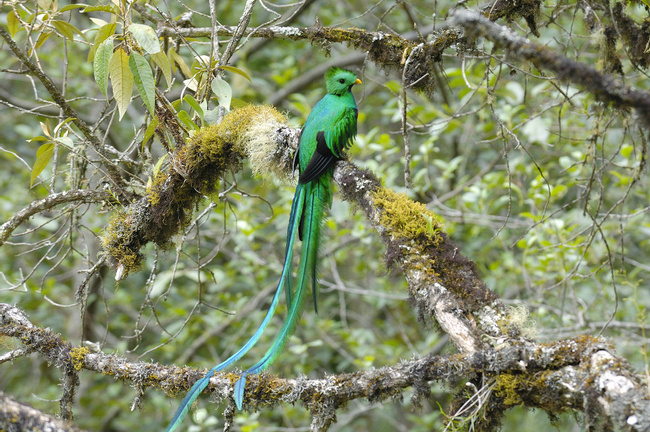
<point>80,196</point>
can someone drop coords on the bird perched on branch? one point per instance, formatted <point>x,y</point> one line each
<point>328,131</point>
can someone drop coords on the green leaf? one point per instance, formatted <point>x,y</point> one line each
<point>200,64</point>
<point>103,33</point>
<point>41,40</point>
<point>211,116</point>
<point>195,105</point>
<point>237,71</point>
<point>156,168</point>
<point>185,118</point>
<point>65,141</point>
<point>558,190</point>
<point>43,157</point>
<point>626,150</point>
<point>122,80</point>
<point>63,123</point>
<point>173,55</point>
<point>67,29</point>
<point>107,8</point>
<point>222,91</point>
<point>165,66</point>
<point>13,23</point>
<point>238,103</point>
<point>73,6</point>
<point>143,78</point>
<point>151,128</point>
<point>146,37</point>
<point>100,64</point>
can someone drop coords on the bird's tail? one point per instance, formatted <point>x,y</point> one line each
<point>310,226</point>
<point>285,282</point>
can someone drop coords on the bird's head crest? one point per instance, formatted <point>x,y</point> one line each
<point>340,80</point>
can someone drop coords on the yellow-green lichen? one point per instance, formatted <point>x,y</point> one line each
<point>427,248</point>
<point>77,357</point>
<point>406,218</point>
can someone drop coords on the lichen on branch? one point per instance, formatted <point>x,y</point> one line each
<point>194,172</point>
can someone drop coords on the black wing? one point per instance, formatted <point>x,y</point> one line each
<point>321,160</point>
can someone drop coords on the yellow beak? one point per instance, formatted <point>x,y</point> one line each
<point>358,81</point>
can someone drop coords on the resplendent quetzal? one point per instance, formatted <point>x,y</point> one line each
<point>328,131</point>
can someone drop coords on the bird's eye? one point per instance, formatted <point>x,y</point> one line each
<point>342,81</point>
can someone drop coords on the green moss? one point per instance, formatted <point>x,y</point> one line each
<point>428,249</point>
<point>406,218</point>
<point>524,389</point>
<point>116,244</point>
<point>194,171</point>
<point>568,351</point>
<point>506,388</point>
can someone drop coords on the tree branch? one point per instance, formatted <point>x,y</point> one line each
<point>15,416</point>
<point>442,283</point>
<point>113,172</point>
<point>604,87</point>
<point>238,33</point>
<point>579,372</point>
<point>78,196</point>
<point>386,49</point>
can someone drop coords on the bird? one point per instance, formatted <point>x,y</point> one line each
<point>329,130</point>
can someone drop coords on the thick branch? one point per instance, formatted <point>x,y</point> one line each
<point>195,170</point>
<point>578,372</point>
<point>386,49</point>
<point>442,282</point>
<point>15,416</point>
<point>606,88</point>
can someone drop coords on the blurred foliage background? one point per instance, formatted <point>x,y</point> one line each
<point>539,184</point>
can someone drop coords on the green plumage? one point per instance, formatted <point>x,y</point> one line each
<point>328,131</point>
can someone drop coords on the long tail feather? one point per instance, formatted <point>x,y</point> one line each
<point>312,217</point>
<point>285,282</point>
<point>295,217</point>
<point>314,284</point>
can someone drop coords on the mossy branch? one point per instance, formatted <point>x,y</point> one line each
<point>385,49</point>
<point>390,51</point>
<point>443,284</point>
<point>579,372</point>
<point>194,172</point>
<point>15,416</point>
